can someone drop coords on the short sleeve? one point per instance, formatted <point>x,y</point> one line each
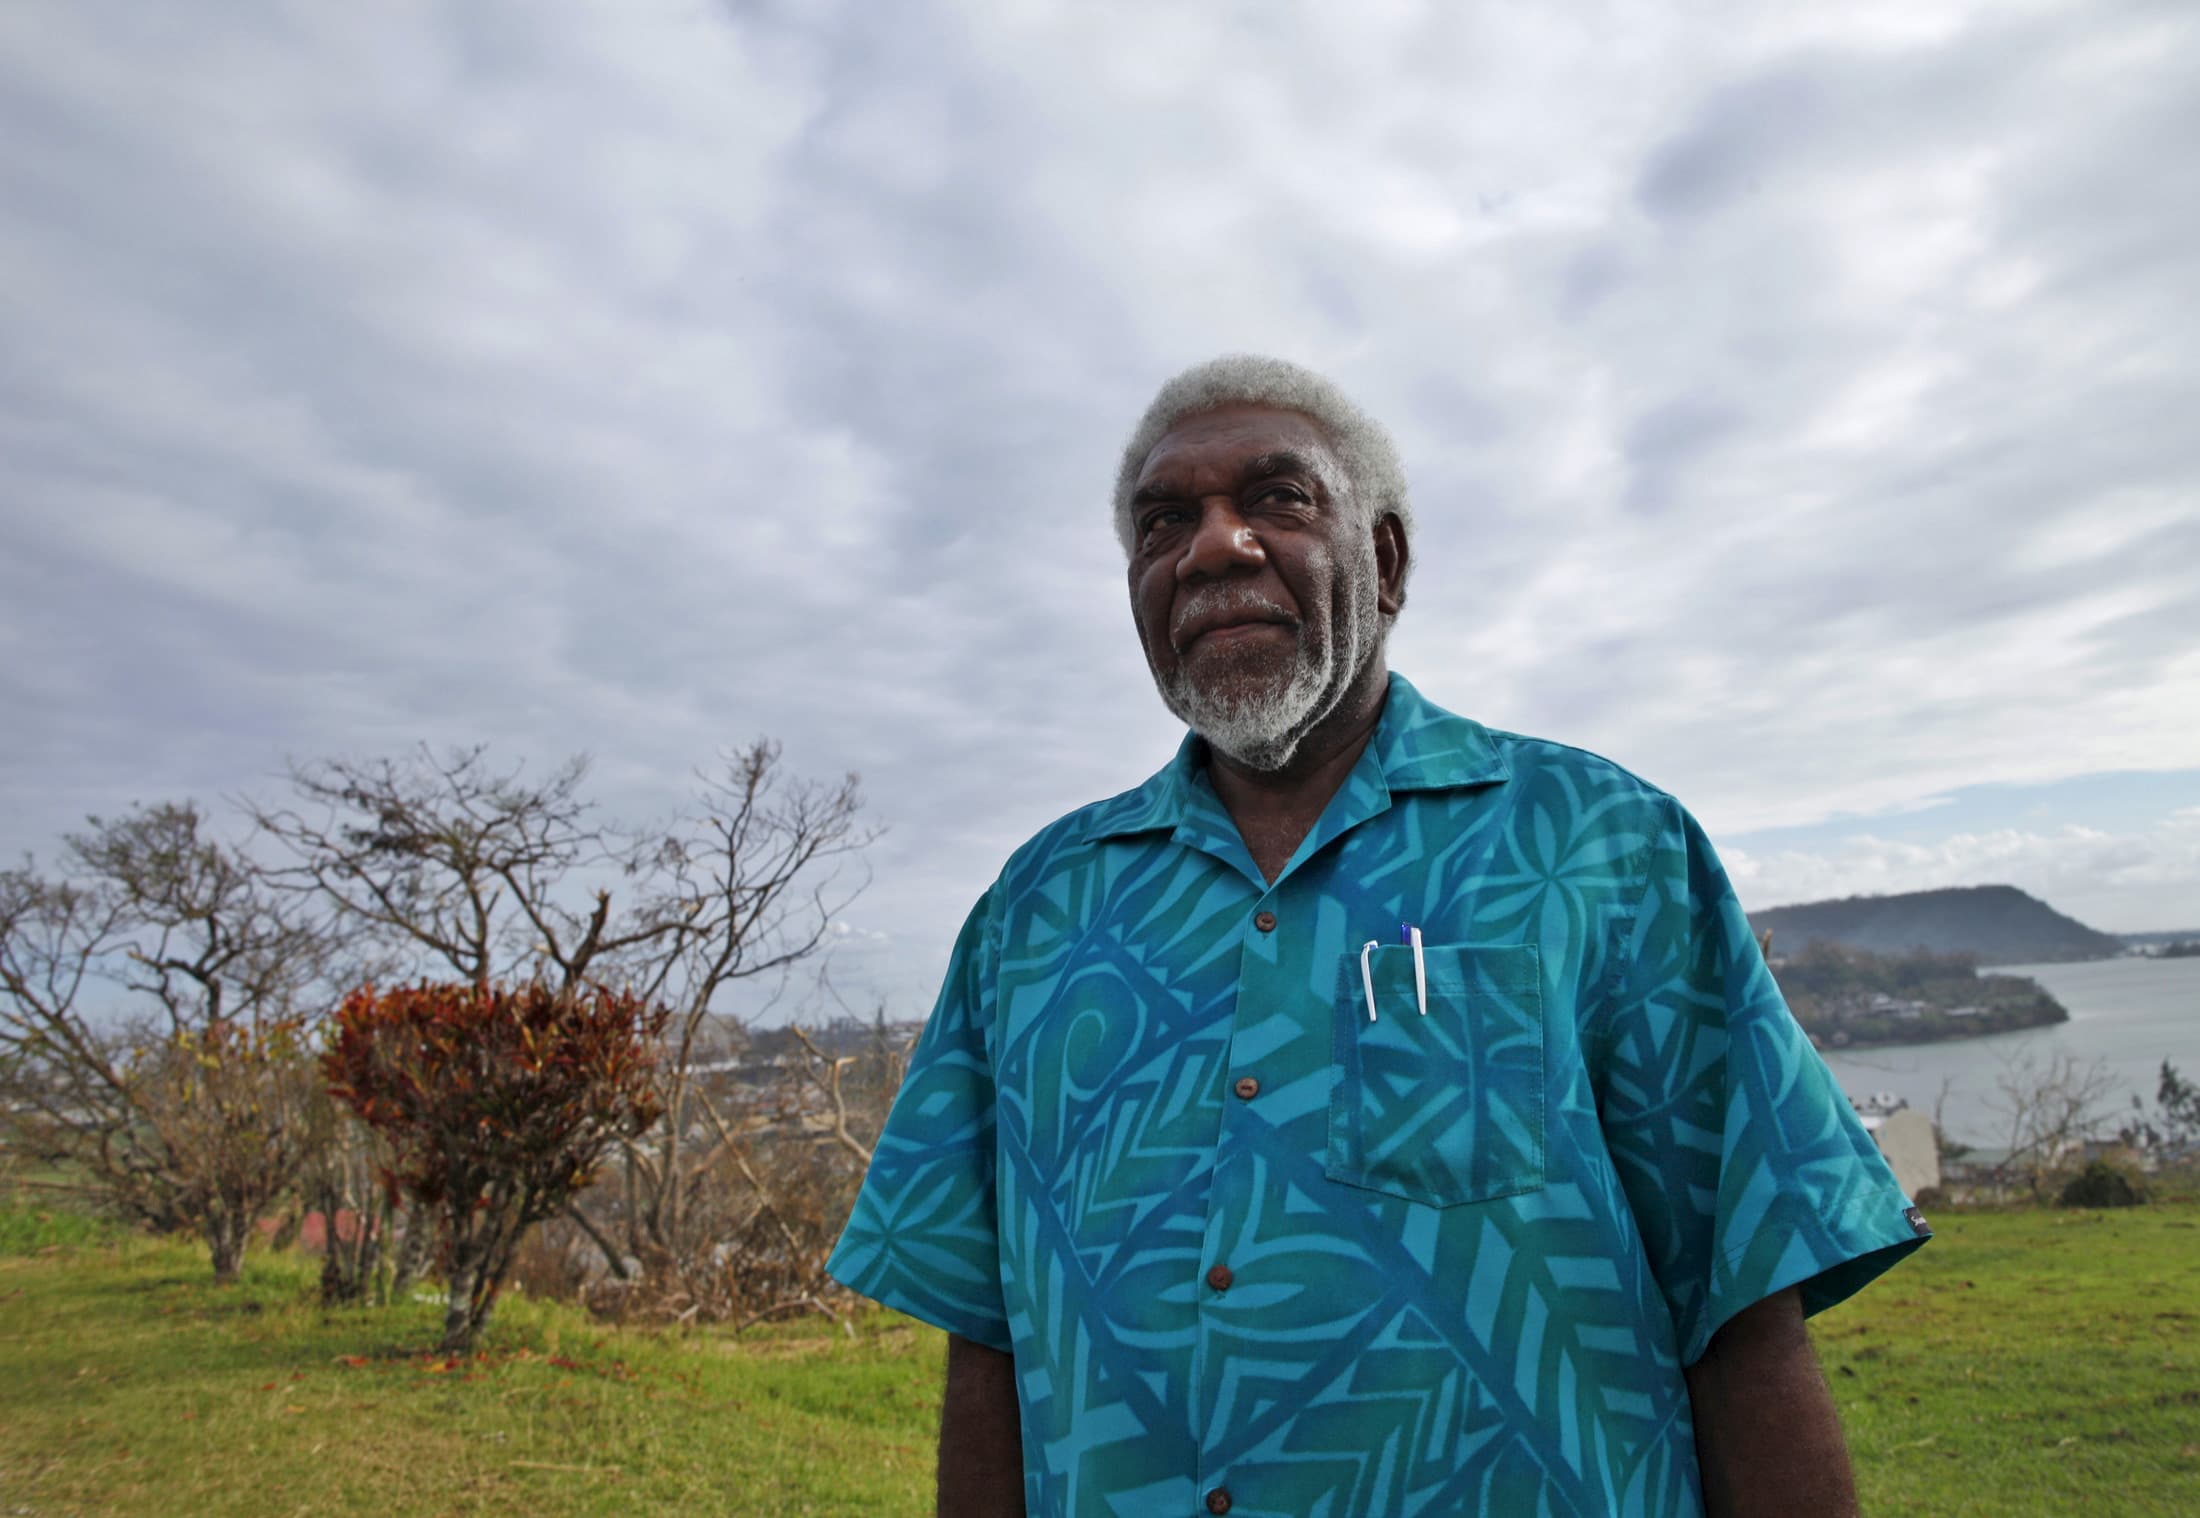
<point>924,1237</point>
<point>1745,1168</point>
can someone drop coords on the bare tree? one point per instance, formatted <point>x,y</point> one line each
<point>805,1165</point>
<point>749,876</point>
<point>451,864</point>
<point>445,863</point>
<point>148,1008</point>
<point>225,1114</point>
<point>209,942</point>
<point>792,1129</point>
<point>2050,1110</point>
<point>71,1100</point>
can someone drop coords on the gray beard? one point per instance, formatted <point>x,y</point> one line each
<point>1263,730</point>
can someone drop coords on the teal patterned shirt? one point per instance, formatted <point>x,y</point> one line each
<point>1255,1251</point>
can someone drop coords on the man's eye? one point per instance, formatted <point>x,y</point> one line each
<point>1154,521</point>
<point>1280,492</point>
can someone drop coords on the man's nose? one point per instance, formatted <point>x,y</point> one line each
<point>1222,544</point>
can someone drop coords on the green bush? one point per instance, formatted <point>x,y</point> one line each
<point>2102,1184</point>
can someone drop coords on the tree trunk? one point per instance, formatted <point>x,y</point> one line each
<point>458,1277</point>
<point>666,1220</point>
<point>412,1255</point>
<point>349,1266</point>
<point>286,1232</point>
<point>481,1255</point>
<point>458,1308</point>
<point>488,1283</point>
<point>380,1293</point>
<point>225,1241</point>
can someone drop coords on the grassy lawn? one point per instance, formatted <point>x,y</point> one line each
<point>2028,1362</point>
<point>2023,1363</point>
<point>132,1386</point>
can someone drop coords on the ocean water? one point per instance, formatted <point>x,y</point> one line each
<point>2126,1014</point>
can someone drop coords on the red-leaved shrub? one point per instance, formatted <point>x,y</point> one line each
<point>497,1104</point>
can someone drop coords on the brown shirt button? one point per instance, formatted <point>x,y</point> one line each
<point>1246,1087</point>
<point>1218,1500</point>
<point>1266,922</point>
<point>1220,1278</point>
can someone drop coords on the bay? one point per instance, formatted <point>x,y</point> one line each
<point>2128,1015</point>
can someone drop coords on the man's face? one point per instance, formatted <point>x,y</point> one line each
<point>1254,580</point>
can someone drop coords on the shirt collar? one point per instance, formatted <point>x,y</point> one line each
<point>1418,746</point>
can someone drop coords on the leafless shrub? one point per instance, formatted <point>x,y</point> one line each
<point>220,1130</point>
<point>150,1025</point>
<point>791,1130</point>
<point>2050,1110</point>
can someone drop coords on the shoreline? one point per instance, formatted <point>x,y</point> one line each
<point>1988,1028</point>
<point>2127,1015</point>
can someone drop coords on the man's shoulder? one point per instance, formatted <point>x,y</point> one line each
<point>1425,746</point>
<point>1136,810</point>
<point>1538,761</point>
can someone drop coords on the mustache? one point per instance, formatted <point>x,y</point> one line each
<point>1220,608</point>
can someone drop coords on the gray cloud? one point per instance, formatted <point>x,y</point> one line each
<point>1795,403</point>
<point>2143,879</point>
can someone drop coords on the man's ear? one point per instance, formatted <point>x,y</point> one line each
<point>1391,556</point>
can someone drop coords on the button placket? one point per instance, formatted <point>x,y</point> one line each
<point>1229,1195</point>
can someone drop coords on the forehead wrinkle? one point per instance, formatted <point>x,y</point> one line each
<point>1274,463</point>
<point>1284,461</point>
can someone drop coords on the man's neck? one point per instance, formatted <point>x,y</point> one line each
<point>1275,809</point>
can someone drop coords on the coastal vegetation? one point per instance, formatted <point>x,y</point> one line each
<point>1850,998</point>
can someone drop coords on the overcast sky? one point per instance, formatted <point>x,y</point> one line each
<point>1799,401</point>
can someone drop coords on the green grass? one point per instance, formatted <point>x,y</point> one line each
<point>2028,1362</point>
<point>2024,1363</point>
<point>30,1230</point>
<point>133,1386</point>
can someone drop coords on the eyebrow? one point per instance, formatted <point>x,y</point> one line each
<point>1277,464</point>
<point>1281,462</point>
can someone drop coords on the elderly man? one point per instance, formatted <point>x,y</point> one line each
<point>1371,1113</point>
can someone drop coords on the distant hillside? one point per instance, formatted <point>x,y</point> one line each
<point>1998,923</point>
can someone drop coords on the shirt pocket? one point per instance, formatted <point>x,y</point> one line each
<point>1444,1108</point>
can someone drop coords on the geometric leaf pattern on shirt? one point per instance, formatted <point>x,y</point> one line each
<point>1470,1251</point>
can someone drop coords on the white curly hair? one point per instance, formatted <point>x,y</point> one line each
<point>1375,480</point>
